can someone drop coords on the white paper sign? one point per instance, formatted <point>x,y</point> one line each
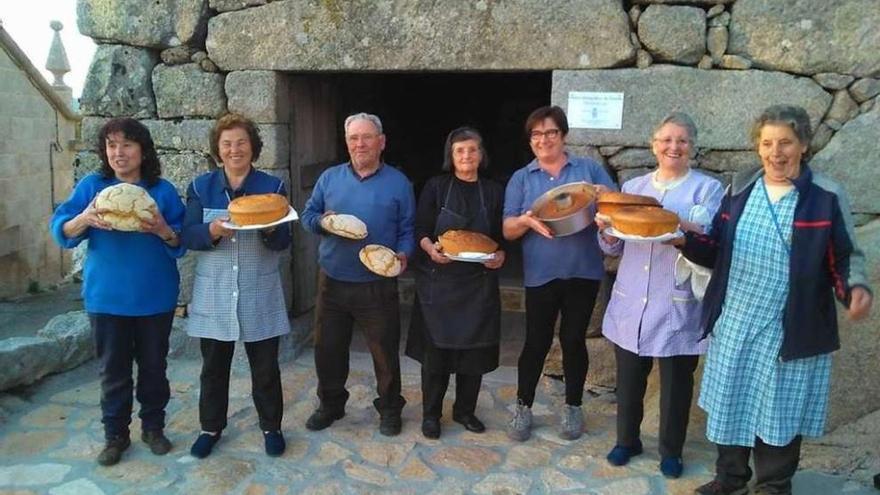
<point>590,110</point>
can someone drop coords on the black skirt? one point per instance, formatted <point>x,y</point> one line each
<point>477,361</point>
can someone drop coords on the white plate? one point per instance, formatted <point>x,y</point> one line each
<point>290,217</point>
<point>637,238</point>
<point>471,257</point>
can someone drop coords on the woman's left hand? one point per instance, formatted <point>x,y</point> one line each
<point>859,303</point>
<point>496,262</point>
<point>158,226</point>
<point>688,226</point>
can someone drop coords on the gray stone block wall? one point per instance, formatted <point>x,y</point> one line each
<point>421,35</point>
<point>28,169</point>
<point>188,91</point>
<point>723,103</point>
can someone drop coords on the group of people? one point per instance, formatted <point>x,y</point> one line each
<point>780,242</point>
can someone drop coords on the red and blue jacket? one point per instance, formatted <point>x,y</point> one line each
<point>825,261</point>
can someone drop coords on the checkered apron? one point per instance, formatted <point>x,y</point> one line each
<point>237,292</point>
<point>747,391</point>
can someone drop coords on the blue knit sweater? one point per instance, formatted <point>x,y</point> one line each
<point>125,273</point>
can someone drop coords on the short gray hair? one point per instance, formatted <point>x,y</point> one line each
<point>363,116</point>
<point>680,119</point>
<point>796,118</point>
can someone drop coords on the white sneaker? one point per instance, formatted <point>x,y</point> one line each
<point>520,426</point>
<point>571,424</point>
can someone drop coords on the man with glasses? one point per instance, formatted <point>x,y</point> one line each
<point>382,197</point>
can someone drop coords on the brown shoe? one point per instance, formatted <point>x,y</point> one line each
<point>113,450</point>
<point>158,442</point>
<point>716,487</point>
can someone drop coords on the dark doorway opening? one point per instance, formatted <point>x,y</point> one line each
<point>419,110</point>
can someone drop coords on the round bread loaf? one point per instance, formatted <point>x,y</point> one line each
<point>380,260</point>
<point>258,209</point>
<point>455,242</point>
<point>611,201</point>
<point>343,225</point>
<point>644,221</point>
<point>127,205</point>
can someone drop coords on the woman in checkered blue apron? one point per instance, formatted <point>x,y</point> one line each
<point>237,294</point>
<point>782,246</point>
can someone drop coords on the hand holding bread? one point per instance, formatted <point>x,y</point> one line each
<point>529,220</point>
<point>343,225</point>
<point>90,217</point>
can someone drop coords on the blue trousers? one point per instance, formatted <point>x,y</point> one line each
<point>120,341</point>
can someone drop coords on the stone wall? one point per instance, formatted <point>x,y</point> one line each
<point>35,141</point>
<point>177,65</point>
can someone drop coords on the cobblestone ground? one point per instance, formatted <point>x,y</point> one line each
<point>51,433</point>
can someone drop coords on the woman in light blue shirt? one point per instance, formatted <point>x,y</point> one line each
<point>562,274</point>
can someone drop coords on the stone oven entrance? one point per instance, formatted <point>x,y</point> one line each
<point>417,110</point>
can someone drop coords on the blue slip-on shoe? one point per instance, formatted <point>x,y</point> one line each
<point>620,455</point>
<point>274,442</point>
<point>203,445</point>
<point>671,467</point>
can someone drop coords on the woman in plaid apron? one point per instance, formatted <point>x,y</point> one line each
<point>782,247</point>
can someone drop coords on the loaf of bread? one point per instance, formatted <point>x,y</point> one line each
<point>343,225</point>
<point>127,205</point>
<point>258,209</point>
<point>644,221</point>
<point>380,260</point>
<point>455,242</point>
<point>609,202</point>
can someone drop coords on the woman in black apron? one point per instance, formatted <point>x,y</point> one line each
<point>456,316</point>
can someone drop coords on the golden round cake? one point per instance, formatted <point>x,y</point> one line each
<point>455,242</point>
<point>611,201</point>
<point>125,205</point>
<point>644,221</point>
<point>258,209</point>
<point>565,203</point>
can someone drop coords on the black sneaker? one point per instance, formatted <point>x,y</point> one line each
<point>390,425</point>
<point>158,442</point>
<point>204,444</point>
<point>274,443</point>
<point>323,418</point>
<point>431,428</point>
<point>113,450</point>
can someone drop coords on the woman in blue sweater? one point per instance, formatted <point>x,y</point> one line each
<point>130,284</point>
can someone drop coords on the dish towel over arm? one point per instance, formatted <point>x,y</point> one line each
<point>684,268</point>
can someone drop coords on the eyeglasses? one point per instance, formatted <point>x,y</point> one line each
<point>669,141</point>
<point>549,134</point>
<point>355,138</point>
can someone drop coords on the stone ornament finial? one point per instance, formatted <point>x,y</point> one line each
<point>57,62</point>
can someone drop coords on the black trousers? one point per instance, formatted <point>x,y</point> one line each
<point>265,382</point>
<point>119,341</point>
<point>375,308</point>
<point>434,385</point>
<point>774,466</point>
<point>676,393</point>
<point>573,299</point>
